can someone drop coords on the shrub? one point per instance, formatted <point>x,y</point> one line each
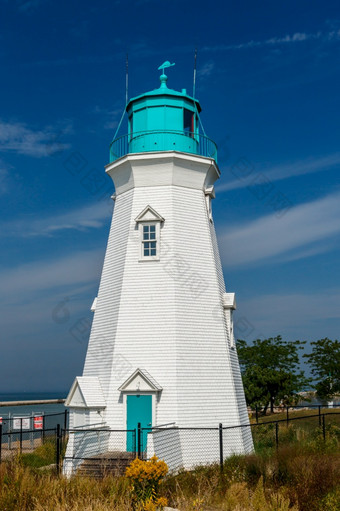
<point>145,477</point>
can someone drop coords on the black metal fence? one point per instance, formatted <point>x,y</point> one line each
<point>25,432</point>
<point>211,444</point>
<point>14,422</point>
<point>258,414</point>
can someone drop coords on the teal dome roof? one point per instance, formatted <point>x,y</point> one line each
<point>163,90</point>
<point>163,120</point>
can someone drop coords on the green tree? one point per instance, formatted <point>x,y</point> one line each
<point>270,371</point>
<point>325,367</point>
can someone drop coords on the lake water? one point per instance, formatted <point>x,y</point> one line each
<point>54,413</point>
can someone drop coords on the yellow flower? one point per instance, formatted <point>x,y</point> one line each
<point>162,502</point>
<point>149,505</point>
<point>145,477</point>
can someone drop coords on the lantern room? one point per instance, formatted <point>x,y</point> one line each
<point>163,120</point>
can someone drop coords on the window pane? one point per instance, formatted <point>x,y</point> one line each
<point>188,120</point>
<point>131,126</point>
<point>149,240</point>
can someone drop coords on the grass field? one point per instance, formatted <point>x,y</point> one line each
<point>312,414</point>
<point>302,425</point>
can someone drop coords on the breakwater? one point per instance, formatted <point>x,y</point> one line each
<point>32,402</point>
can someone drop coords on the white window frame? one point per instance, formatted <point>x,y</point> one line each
<point>141,225</point>
<point>209,195</point>
<point>229,305</point>
<point>231,329</point>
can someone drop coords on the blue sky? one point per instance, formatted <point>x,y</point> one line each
<point>268,79</point>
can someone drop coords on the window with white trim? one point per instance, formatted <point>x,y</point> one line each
<point>149,226</point>
<point>150,240</point>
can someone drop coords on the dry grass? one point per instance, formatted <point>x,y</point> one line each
<point>28,489</point>
<point>303,475</point>
<point>291,479</point>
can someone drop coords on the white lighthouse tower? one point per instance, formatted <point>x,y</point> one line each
<point>161,351</point>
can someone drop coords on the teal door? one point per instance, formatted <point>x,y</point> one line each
<point>139,409</point>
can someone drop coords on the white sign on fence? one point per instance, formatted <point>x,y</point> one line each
<point>21,423</point>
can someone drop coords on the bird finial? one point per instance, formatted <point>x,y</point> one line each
<point>163,77</point>
<point>165,65</point>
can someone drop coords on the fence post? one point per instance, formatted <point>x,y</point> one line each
<point>58,446</point>
<point>139,439</point>
<point>220,432</point>
<point>9,431</point>
<point>320,415</point>
<point>20,435</point>
<point>256,414</point>
<point>277,434</point>
<point>136,455</point>
<point>0,440</point>
<point>65,420</point>
<point>32,430</point>
<point>287,415</point>
<point>323,427</point>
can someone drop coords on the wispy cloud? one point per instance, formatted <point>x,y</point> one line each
<point>110,118</point>
<point>16,136</point>
<point>139,50</point>
<point>284,171</point>
<point>290,314</point>
<point>206,69</point>
<point>297,234</point>
<point>33,341</point>
<point>28,5</point>
<point>29,279</point>
<point>76,60</point>
<point>297,37</point>
<point>90,217</point>
<point>4,175</point>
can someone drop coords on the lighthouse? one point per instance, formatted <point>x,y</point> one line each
<point>161,352</point>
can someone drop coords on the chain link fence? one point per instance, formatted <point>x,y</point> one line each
<point>27,431</point>
<point>94,450</point>
<point>185,448</point>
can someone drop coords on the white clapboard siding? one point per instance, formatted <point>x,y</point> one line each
<point>167,316</point>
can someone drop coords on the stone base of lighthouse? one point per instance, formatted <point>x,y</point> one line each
<point>161,351</point>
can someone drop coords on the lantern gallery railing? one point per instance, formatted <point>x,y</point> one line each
<point>147,141</point>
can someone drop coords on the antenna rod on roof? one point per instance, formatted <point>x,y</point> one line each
<point>126,96</point>
<point>127,80</point>
<point>194,85</point>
